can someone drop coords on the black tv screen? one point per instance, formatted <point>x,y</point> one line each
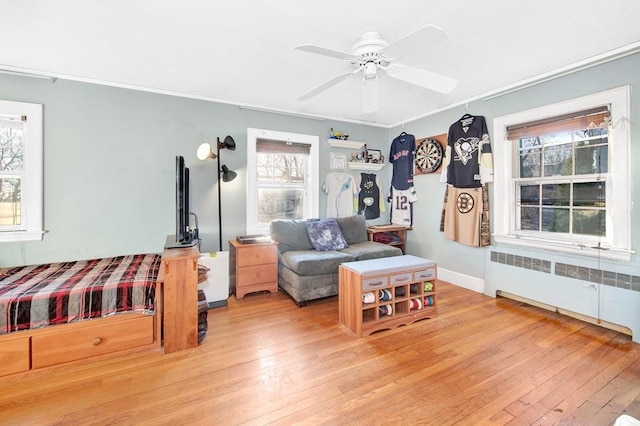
<point>185,205</point>
<point>184,236</point>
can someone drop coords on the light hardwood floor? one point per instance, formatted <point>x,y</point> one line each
<point>266,361</point>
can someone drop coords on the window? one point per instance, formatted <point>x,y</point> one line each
<point>562,176</point>
<point>21,171</point>
<point>282,176</point>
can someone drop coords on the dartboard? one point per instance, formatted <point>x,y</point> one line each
<point>429,156</point>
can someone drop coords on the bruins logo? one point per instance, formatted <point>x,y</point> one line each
<point>465,202</point>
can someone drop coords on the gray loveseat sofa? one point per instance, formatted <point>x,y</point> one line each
<point>307,274</point>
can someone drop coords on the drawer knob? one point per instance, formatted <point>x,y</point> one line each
<point>96,341</point>
<point>258,274</point>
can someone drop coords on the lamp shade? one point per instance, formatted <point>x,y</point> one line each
<point>228,143</point>
<point>228,175</point>
<point>204,152</point>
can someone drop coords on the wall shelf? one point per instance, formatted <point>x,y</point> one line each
<point>355,165</point>
<point>339,143</point>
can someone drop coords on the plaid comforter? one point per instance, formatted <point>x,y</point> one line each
<point>40,295</point>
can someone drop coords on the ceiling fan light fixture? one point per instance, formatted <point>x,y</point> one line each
<point>369,96</point>
<point>370,70</point>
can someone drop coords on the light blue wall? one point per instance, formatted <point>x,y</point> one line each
<point>110,160</point>
<point>617,305</point>
<point>109,164</point>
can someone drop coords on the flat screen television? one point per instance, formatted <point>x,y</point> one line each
<point>185,235</point>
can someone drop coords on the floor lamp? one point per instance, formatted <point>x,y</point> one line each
<point>205,152</point>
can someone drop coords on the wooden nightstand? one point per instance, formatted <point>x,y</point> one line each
<point>253,267</point>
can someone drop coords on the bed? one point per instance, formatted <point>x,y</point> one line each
<point>61,312</point>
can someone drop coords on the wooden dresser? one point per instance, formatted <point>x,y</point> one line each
<point>253,267</point>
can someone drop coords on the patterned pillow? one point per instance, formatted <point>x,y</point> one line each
<point>325,235</point>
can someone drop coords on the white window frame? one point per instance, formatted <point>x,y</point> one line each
<point>32,185</point>
<point>617,244</point>
<point>311,205</point>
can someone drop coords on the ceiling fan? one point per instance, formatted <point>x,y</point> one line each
<point>372,53</point>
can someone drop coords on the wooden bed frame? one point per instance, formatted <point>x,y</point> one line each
<point>176,314</point>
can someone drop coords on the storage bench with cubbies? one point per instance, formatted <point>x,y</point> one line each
<point>385,293</point>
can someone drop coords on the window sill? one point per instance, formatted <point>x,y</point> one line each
<point>609,253</point>
<point>15,236</point>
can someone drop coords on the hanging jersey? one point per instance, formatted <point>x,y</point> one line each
<point>340,189</point>
<point>401,156</point>
<point>402,206</point>
<point>467,161</point>
<point>370,200</point>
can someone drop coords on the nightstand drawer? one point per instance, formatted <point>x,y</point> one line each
<point>257,274</point>
<point>258,255</point>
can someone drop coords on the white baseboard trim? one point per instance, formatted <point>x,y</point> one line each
<point>461,280</point>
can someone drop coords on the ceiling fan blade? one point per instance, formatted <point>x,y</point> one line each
<point>427,79</point>
<point>325,51</point>
<point>415,41</point>
<point>369,96</point>
<point>324,86</point>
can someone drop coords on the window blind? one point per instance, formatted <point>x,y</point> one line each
<point>563,123</point>
<point>12,123</point>
<point>282,147</point>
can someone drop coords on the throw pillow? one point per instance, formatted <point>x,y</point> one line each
<point>325,235</point>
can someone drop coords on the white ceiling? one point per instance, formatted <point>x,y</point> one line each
<point>242,52</point>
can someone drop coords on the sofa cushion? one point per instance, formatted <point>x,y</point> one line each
<point>290,235</point>
<point>312,262</point>
<point>371,250</point>
<point>325,235</point>
<point>354,228</point>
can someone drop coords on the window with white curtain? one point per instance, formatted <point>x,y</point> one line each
<point>562,176</point>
